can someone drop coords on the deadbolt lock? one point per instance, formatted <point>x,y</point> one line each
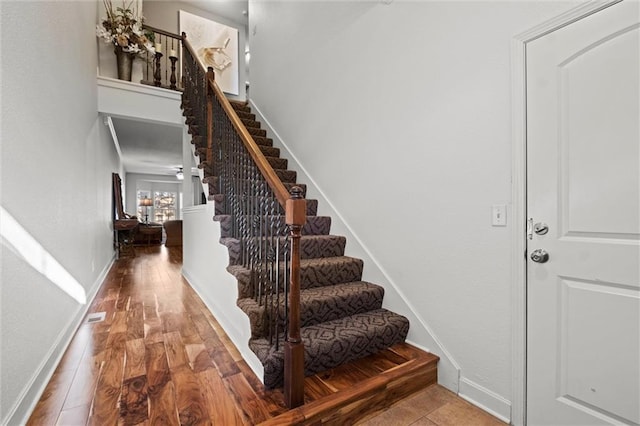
<point>540,228</point>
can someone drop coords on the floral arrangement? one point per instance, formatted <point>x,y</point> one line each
<point>123,28</point>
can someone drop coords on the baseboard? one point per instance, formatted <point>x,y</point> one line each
<point>485,399</point>
<point>26,403</point>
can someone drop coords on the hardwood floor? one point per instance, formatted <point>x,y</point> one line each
<point>160,357</point>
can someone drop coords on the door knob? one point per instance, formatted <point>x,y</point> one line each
<point>539,256</point>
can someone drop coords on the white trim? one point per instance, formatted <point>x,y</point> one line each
<point>114,136</point>
<point>519,194</point>
<point>485,399</point>
<point>518,263</point>
<point>139,102</point>
<point>144,89</point>
<point>33,390</point>
<point>448,368</point>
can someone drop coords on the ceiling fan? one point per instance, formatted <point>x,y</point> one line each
<point>180,174</point>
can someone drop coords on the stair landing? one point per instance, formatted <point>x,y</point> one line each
<point>358,389</point>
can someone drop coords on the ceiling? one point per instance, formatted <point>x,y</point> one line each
<point>235,10</point>
<point>149,148</point>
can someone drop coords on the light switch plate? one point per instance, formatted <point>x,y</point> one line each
<point>499,215</point>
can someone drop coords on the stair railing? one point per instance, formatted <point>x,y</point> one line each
<point>256,199</point>
<point>161,69</point>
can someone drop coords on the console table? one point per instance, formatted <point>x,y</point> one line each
<point>150,231</point>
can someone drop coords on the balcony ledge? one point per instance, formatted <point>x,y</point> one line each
<point>125,99</point>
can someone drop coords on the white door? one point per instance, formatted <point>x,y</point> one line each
<point>583,183</point>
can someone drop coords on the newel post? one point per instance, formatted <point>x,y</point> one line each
<point>296,216</point>
<point>210,77</point>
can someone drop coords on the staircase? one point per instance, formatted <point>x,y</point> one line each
<point>341,316</point>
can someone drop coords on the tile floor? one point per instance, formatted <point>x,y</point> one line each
<point>434,406</point>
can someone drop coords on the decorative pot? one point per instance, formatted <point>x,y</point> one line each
<point>125,63</point>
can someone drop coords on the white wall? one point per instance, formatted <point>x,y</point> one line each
<point>56,164</point>
<point>401,115</point>
<point>204,267</point>
<point>163,14</point>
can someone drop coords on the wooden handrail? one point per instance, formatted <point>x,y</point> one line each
<point>295,209</point>
<point>163,32</point>
<point>269,174</point>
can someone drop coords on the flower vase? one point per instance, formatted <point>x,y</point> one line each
<point>125,63</point>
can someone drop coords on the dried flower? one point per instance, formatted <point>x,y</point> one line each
<point>122,40</point>
<point>123,27</point>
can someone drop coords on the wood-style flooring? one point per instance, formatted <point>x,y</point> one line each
<point>161,358</point>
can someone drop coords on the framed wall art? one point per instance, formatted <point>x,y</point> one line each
<point>216,46</point>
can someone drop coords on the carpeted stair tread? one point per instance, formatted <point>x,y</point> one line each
<point>326,271</point>
<point>288,176</point>
<point>278,163</point>
<point>322,246</point>
<point>332,343</point>
<point>319,304</point>
<point>269,151</point>
<point>198,141</point>
<point>311,247</point>
<point>240,106</point>
<point>317,272</point>
<point>246,115</point>
<point>220,208</point>
<point>328,303</point>
<point>251,123</point>
<point>315,225</point>
<point>263,140</point>
<point>257,132</point>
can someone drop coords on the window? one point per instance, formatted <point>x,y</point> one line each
<point>164,204</point>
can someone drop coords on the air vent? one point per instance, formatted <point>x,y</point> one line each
<point>95,317</point>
